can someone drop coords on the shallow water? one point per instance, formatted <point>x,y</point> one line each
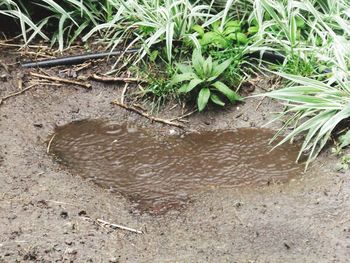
<point>158,173</point>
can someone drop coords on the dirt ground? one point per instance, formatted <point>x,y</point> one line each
<point>47,214</point>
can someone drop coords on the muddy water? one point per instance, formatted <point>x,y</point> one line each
<point>158,173</point>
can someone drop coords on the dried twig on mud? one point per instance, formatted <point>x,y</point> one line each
<point>79,83</point>
<point>17,93</point>
<point>183,116</point>
<point>49,144</point>
<point>124,90</point>
<point>152,118</point>
<point>116,79</point>
<point>104,223</point>
<point>2,64</point>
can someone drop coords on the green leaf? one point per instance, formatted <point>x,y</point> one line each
<point>233,23</point>
<point>182,77</point>
<point>230,94</point>
<point>154,55</point>
<point>345,140</point>
<point>238,37</point>
<point>300,22</point>
<point>242,38</point>
<point>169,36</point>
<point>184,68</point>
<point>231,29</point>
<point>199,29</point>
<point>213,38</point>
<point>208,66</point>
<point>187,88</point>
<point>218,70</point>
<point>215,98</point>
<point>292,30</point>
<point>203,98</point>
<point>198,61</point>
<point>253,30</point>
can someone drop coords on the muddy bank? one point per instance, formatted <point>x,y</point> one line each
<point>45,211</point>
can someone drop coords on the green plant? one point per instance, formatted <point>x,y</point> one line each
<point>202,77</point>
<point>17,11</point>
<point>313,110</point>
<point>222,37</point>
<point>155,24</point>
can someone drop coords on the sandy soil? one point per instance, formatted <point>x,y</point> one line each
<point>44,210</point>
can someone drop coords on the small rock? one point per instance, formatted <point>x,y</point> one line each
<point>82,213</point>
<point>172,132</point>
<point>3,77</point>
<point>286,245</point>
<point>71,251</point>
<point>64,214</point>
<point>206,122</point>
<point>38,125</point>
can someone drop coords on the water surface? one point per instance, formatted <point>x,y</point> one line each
<point>158,173</point>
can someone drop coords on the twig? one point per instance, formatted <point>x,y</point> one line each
<point>49,144</point>
<point>139,106</point>
<point>123,93</point>
<point>116,79</point>
<point>16,93</point>
<point>82,84</point>
<point>2,64</point>
<point>20,84</point>
<point>152,118</point>
<point>124,90</point>
<point>183,116</point>
<point>259,104</point>
<point>119,226</point>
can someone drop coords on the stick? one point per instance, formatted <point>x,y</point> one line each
<point>183,116</point>
<point>4,66</point>
<point>16,93</point>
<point>49,144</point>
<point>152,118</point>
<point>119,226</point>
<point>116,79</point>
<point>82,84</point>
<point>124,90</point>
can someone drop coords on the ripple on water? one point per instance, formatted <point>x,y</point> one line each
<point>158,173</point>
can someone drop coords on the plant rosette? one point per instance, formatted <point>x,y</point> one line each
<point>203,77</point>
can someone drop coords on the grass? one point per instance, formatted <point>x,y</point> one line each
<point>313,35</point>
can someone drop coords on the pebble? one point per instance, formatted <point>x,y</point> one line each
<point>71,251</point>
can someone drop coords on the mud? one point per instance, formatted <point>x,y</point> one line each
<point>48,215</point>
<point>161,172</point>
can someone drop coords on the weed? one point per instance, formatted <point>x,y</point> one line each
<point>202,77</point>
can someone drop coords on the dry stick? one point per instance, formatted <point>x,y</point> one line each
<point>119,226</point>
<point>4,66</point>
<point>116,79</point>
<point>259,104</point>
<point>152,118</point>
<point>16,93</point>
<point>124,90</point>
<point>82,84</point>
<point>49,144</point>
<point>183,116</point>
<point>123,93</point>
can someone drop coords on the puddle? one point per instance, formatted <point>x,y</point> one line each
<point>158,173</point>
